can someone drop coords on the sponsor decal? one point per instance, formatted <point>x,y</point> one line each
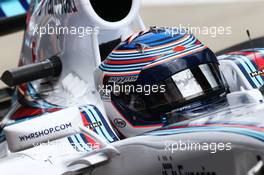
<point>44,132</point>
<point>257,73</point>
<point>121,80</point>
<point>92,126</point>
<point>183,170</point>
<point>58,7</point>
<point>120,123</point>
<point>168,168</point>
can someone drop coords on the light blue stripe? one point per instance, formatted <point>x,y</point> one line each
<point>94,121</point>
<point>222,57</point>
<point>28,1</point>
<point>187,42</point>
<point>121,69</point>
<point>129,57</point>
<point>82,143</point>
<point>155,41</point>
<point>252,68</point>
<point>103,127</point>
<point>12,8</point>
<point>124,66</point>
<point>249,64</point>
<point>77,144</point>
<point>253,49</point>
<point>259,49</point>
<point>118,69</point>
<point>248,70</point>
<point>180,53</point>
<point>246,132</point>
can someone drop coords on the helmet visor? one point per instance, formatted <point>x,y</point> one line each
<point>181,89</point>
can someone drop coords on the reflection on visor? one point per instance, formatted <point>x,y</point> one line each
<point>209,75</point>
<point>186,83</point>
<point>181,89</point>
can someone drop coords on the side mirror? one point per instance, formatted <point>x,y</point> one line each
<point>31,72</point>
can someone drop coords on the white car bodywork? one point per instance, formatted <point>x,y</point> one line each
<point>150,154</point>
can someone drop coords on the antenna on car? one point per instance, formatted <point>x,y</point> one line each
<point>251,43</point>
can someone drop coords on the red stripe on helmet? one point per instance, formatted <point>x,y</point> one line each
<point>124,62</point>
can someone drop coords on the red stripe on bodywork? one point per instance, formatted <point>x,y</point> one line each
<point>258,58</point>
<point>25,112</point>
<point>88,138</point>
<point>85,122</point>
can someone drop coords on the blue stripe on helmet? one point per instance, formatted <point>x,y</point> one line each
<point>115,68</point>
<point>161,42</point>
<point>187,41</point>
<point>103,65</point>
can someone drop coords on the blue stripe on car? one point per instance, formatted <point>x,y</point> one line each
<point>25,4</point>
<point>2,14</point>
<point>252,67</point>
<point>241,131</point>
<point>12,8</point>
<point>106,124</point>
<point>93,120</point>
<point>253,81</point>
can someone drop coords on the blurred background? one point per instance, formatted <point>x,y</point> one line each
<point>240,15</point>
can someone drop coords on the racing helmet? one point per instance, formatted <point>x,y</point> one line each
<point>155,74</point>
